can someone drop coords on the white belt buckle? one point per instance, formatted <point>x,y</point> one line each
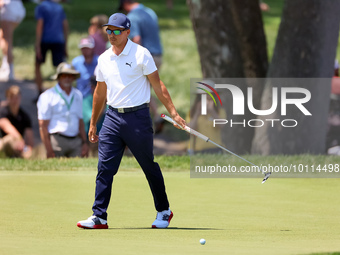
<point>121,110</point>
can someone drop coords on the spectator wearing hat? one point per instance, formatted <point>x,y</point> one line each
<point>61,118</point>
<point>51,35</point>
<point>85,64</point>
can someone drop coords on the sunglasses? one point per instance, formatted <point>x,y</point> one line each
<point>115,32</point>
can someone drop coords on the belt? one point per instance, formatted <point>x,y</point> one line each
<point>130,109</point>
<point>65,136</point>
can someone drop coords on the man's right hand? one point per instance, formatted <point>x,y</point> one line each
<point>93,138</point>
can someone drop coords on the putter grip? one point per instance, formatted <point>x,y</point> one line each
<point>186,128</point>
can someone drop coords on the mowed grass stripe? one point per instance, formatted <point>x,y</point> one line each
<point>39,212</point>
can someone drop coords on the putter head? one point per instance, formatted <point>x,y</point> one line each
<point>266,176</point>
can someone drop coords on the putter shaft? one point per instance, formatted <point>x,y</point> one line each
<point>207,139</point>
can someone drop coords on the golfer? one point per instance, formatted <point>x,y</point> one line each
<point>125,73</point>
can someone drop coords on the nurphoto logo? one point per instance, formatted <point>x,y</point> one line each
<point>239,99</point>
<point>204,97</point>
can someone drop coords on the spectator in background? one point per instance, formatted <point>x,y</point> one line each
<point>16,127</point>
<point>11,15</point>
<point>60,116</point>
<point>336,79</point>
<point>333,134</point>
<point>85,64</point>
<point>51,35</point>
<point>170,4</point>
<point>264,7</point>
<point>87,113</point>
<point>97,32</point>
<point>11,144</point>
<point>145,31</point>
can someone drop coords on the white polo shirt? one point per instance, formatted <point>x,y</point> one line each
<point>125,75</point>
<point>62,111</point>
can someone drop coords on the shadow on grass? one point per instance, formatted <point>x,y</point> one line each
<point>170,228</point>
<point>327,253</point>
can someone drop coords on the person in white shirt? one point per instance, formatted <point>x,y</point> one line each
<point>126,73</point>
<point>60,116</point>
<point>12,12</point>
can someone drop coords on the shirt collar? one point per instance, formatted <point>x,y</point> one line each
<point>62,91</point>
<point>127,48</point>
<point>125,51</point>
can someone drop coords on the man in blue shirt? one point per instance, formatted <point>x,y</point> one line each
<point>51,34</point>
<point>145,31</point>
<point>144,26</point>
<point>85,64</point>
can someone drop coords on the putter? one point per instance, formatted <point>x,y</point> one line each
<point>207,139</point>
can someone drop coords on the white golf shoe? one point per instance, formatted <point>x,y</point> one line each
<point>93,222</point>
<point>163,219</point>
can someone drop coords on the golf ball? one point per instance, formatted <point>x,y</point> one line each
<point>202,241</point>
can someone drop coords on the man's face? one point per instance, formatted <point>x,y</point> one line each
<point>117,40</point>
<point>87,52</point>
<point>14,100</point>
<point>65,80</point>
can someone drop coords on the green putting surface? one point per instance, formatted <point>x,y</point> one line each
<point>39,212</point>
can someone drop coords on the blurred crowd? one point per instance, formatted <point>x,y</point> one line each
<point>64,111</point>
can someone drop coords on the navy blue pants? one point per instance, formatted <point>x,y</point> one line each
<point>133,129</point>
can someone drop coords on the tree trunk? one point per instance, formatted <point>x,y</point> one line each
<point>305,47</point>
<point>231,44</point>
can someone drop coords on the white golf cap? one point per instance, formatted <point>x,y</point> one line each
<point>87,42</point>
<point>65,68</point>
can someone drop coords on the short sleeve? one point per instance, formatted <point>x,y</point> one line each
<point>38,13</point>
<point>63,14</point>
<point>98,73</point>
<point>149,65</point>
<point>44,109</point>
